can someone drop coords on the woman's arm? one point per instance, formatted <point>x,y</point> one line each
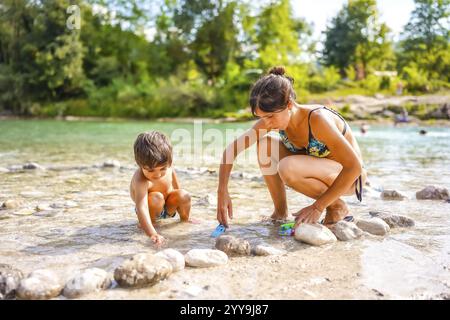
<point>325,130</point>
<point>224,205</point>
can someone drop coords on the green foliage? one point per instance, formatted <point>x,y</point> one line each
<point>355,39</point>
<point>424,50</point>
<point>158,58</point>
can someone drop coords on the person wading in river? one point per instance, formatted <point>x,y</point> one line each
<point>309,148</point>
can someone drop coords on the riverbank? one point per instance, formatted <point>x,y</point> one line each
<point>423,109</point>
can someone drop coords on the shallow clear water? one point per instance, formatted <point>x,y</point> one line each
<point>100,229</point>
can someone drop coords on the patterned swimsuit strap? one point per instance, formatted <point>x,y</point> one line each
<point>310,135</point>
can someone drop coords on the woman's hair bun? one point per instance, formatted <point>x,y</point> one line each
<point>280,70</point>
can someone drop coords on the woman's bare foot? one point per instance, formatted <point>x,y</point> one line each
<point>276,217</point>
<point>335,212</point>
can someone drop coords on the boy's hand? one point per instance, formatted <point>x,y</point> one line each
<point>157,239</point>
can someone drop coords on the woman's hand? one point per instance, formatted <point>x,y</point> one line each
<point>309,214</point>
<point>224,207</point>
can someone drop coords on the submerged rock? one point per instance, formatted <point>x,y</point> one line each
<point>11,204</point>
<point>32,194</point>
<point>175,258</point>
<point>4,170</point>
<point>203,258</point>
<point>23,212</point>
<point>40,285</point>
<point>314,234</point>
<point>374,226</point>
<point>65,204</point>
<point>142,270</point>
<point>392,195</point>
<point>233,246</point>
<point>432,193</point>
<point>393,220</point>
<point>87,281</point>
<point>206,200</point>
<point>9,281</point>
<point>345,231</point>
<point>262,250</point>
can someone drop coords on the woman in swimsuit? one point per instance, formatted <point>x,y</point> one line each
<point>309,148</point>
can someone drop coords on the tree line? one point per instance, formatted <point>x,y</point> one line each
<point>153,58</point>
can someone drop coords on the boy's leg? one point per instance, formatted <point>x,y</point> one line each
<point>179,200</point>
<point>155,205</point>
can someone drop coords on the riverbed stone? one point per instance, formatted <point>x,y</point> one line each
<point>345,231</point>
<point>375,226</point>
<point>233,246</point>
<point>173,256</point>
<point>203,258</point>
<point>40,285</point>
<point>32,194</point>
<point>142,270</point>
<point>111,164</point>
<point>433,193</point>
<point>43,207</point>
<point>33,166</point>
<point>87,281</point>
<point>11,204</point>
<point>393,220</point>
<point>392,195</point>
<point>263,250</point>
<point>314,234</point>
<point>10,278</point>
<point>4,170</point>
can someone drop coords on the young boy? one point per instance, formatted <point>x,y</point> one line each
<point>154,187</point>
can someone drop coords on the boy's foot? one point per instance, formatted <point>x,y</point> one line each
<point>335,212</point>
<point>275,218</point>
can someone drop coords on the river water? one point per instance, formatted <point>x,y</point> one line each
<point>94,224</point>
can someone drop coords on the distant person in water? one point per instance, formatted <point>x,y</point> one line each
<point>402,118</point>
<point>154,188</point>
<point>309,148</point>
<point>364,128</point>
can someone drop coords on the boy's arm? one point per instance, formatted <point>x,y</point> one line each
<point>142,210</point>
<point>175,183</point>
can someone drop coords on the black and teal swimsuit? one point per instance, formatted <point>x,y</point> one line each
<point>316,148</point>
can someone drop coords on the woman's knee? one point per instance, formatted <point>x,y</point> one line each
<point>288,170</point>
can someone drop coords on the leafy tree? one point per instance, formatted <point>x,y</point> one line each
<point>356,39</point>
<point>424,48</point>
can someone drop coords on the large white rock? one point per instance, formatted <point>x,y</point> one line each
<point>203,258</point>
<point>374,226</point>
<point>11,204</point>
<point>175,258</point>
<point>314,234</point>
<point>142,270</point>
<point>40,285</point>
<point>87,281</point>
<point>346,231</point>
<point>9,281</point>
<point>262,250</point>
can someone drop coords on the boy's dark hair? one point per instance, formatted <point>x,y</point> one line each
<point>152,149</point>
<point>272,92</point>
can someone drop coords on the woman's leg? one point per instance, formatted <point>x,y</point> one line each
<point>312,177</point>
<point>270,151</point>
